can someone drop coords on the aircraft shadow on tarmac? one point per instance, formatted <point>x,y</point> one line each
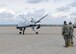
<point>11,33</point>
<point>39,34</point>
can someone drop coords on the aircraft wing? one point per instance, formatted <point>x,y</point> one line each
<point>41,18</point>
<point>49,25</point>
<point>24,18</point>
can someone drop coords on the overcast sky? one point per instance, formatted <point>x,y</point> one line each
<point>58,10</point>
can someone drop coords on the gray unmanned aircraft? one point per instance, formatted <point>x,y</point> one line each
<point>32,24</point>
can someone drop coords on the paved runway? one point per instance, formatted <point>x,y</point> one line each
<point>48,41</point>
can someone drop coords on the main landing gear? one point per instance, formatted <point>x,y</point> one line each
<point>36,32</point>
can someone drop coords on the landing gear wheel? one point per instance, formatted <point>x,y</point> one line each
<point>23,33</point>
<point>36,32</point>
<point>20,32</point>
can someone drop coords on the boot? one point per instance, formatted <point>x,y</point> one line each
<point>66,45</point>
<point>72,44</point>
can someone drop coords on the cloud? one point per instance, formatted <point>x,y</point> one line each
<point>73,13</point>
<point>6,15</point>
<point>37,8</point>
<point>73,4</point>
<point>48,20</point>
<point>36,14</point>
<point>63,9</point>
<point>23,19</point>
<point>57,0</point>
<point>67,7</point>
<point>64,16</point>
<point>36,1</point>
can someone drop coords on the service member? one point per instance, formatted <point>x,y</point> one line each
<point>71,30</point>
<point>65,33</point>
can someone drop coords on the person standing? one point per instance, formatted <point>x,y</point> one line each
<point>71,30</point>
<point>65,33</point>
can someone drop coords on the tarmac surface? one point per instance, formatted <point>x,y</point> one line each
<point>48,41</point>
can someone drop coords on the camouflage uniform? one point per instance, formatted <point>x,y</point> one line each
<point>65,33</point>
<point>71,30</point>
